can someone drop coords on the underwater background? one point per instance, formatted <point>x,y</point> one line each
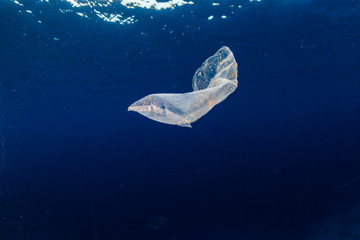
<point>278,159</point>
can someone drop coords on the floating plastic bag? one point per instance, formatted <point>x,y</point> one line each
<point>212,83</point>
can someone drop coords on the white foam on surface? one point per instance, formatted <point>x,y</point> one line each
<point>153,4</point>
<point>149,4</point>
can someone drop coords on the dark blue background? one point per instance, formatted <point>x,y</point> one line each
<point>279,159</point>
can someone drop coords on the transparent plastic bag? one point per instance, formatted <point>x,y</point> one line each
<point>212,83</point>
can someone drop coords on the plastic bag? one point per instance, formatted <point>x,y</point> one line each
<point>212,83</point>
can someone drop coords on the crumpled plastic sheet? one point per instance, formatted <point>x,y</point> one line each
<point>212,83</point>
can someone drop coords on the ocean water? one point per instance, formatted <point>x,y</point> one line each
<point>278,159</point>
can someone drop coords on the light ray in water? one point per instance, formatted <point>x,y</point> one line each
<point>348,183</point>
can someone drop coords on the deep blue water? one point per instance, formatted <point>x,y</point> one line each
<point>278,159</point>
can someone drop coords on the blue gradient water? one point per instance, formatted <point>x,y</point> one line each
<point>278,159</point>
